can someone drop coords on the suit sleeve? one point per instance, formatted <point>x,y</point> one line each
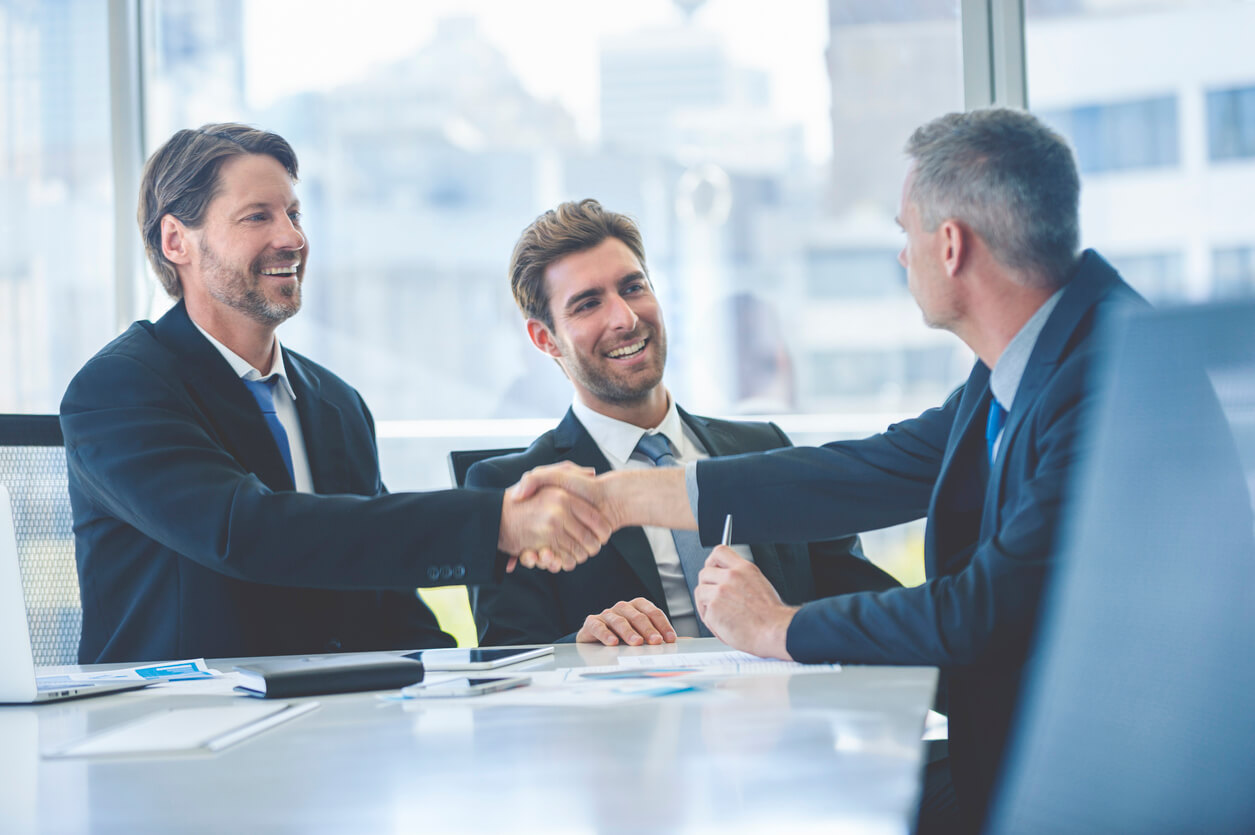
<point>138,447</point>
<point>839,565</point>
<point>802,494</point>
<point>524,607</point>
<point>985,611</point>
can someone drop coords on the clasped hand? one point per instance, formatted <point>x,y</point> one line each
<point>552,519</point>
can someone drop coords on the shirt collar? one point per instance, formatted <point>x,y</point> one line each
<point>1004,379</point>
<point>244,370</point>
<point>617,439</point>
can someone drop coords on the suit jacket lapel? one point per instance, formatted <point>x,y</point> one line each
<point>1093,279</point>
<point>223,398</point>
<point>573,443</point>
<point>718,440</point>
<point>322,427</point>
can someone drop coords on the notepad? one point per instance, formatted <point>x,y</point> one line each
<point>185,730</point>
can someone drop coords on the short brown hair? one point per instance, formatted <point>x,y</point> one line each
<point>571,227</point>
<point>181,179</point>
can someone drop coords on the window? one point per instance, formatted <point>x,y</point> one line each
<point>1231,123</point>
<point>746,140</point>
<point>56,198</point>
<point>1122,135</point>
<point>1153,94</point>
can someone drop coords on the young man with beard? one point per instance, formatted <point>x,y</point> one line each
<point>990,213</point>
<point>578,274</point>
<point>226,490</point>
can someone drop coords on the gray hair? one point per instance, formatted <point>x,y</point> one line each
<point>1010,178</point>
<point>181,179</point>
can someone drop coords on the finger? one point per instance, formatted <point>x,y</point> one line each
<point>724,556</point>
<point>511,564</point>
<point>657,617</point>
<point>595,631</point>
<point>622,627</point>
<point>701,600</point>
<point>527,558</point>
<point>590,517</point>
<point>712,575</point>
<point>641,624</point>
<point>582,522</point>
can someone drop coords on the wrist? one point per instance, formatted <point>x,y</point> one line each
<point>778,632</point>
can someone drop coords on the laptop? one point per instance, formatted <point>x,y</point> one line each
<point>18,682</point>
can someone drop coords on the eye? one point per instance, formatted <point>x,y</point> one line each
<point>256,217</point>
<point>634,287</point>
<point>586,305</point>
<point>295,216</point>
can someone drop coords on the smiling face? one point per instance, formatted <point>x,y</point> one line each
<point>249,255</point>
<point>607,333</point>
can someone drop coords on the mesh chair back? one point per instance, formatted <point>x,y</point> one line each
<point>32,466</point>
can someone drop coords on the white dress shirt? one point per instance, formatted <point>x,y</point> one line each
<point>285,406</point>
<point>617,441</point>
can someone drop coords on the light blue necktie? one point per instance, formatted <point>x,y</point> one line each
<point>263,392</point>
<point>688,544</point>
<point>997,418</point>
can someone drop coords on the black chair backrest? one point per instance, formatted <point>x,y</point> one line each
<point>461,460</point>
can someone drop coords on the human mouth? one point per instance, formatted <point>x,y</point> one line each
<point>288,269</point>
<point>628,350</point>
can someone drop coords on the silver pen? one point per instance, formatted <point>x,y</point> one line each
<point>727,531</point>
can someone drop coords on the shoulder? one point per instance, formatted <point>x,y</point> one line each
<point>128,365</point>
<point>738,436</point>
<point>504,470</point>
<point>329,384</point>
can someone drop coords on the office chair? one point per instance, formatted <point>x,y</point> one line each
<point>461,460</point>
<point>1137,713</point>
<point>32,465</point>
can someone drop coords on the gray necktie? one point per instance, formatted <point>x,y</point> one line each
<point>688,544</point>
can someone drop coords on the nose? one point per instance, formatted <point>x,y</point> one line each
<point>290,236</point>
<point>902,256</point>
<point>622,316</point>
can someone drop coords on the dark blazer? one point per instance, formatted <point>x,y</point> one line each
<point>190,538</point>
<point>535,607</point>
<point>990,534</point>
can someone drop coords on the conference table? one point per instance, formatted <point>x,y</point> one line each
<point>775,751</point>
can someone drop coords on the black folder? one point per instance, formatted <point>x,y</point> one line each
<point>316,675</point>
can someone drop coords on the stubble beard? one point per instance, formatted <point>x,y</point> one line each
<point>620,393</point>
<point>241,291</point>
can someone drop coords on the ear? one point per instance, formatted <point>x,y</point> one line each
<point>543,338</point>
<point>176,244</point>
<point>953,238</point>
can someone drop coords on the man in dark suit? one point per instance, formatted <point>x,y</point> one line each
<point>990,212</point>
<point>226,490</point>
<point>578,274</point>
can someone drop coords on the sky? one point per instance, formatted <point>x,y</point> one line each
<point>551,44</point>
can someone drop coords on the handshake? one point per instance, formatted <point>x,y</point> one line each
<point>558,516</point>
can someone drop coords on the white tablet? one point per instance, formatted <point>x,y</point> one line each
<point>476,659</point>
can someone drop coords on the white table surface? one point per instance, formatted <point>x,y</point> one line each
<point>820,752</point>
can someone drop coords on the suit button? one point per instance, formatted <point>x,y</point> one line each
<point>446,572</point>
<point>459,572</point>
<point>433,573</point>
<point>333,645</point>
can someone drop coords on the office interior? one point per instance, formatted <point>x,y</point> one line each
<point>759,148</point>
